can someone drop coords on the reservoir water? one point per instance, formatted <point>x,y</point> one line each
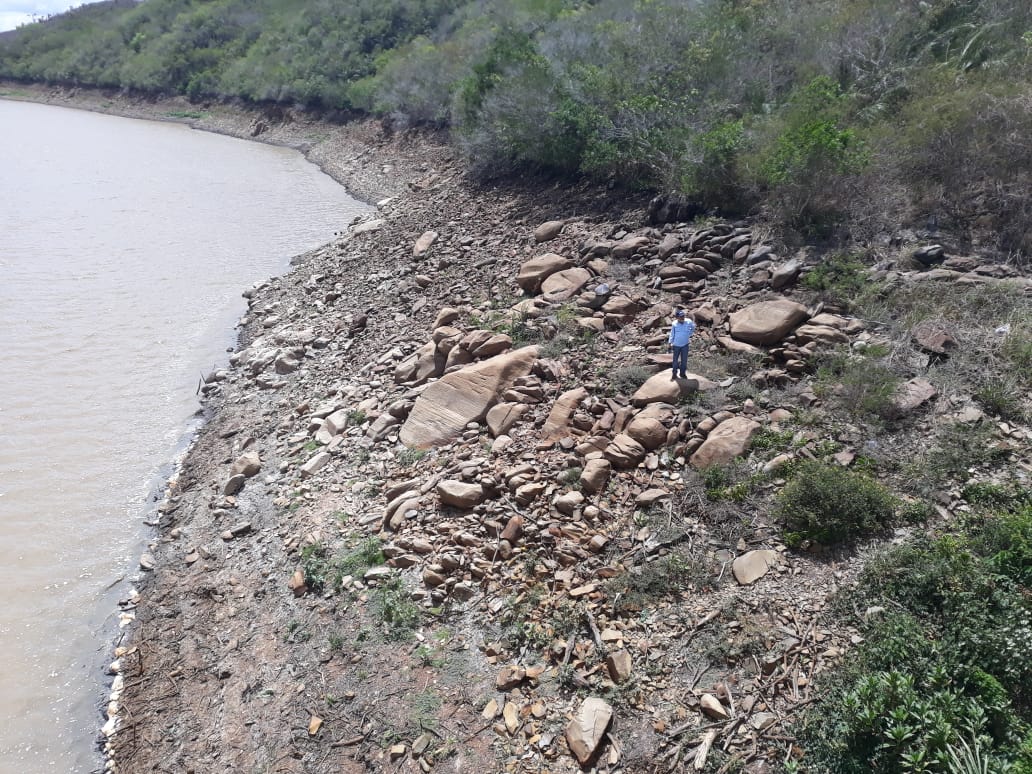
<point>124,248</point>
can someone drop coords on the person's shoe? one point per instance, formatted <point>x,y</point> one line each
<point>684,375</point>
<point>673,375</point>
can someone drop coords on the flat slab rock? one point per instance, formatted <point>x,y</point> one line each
<point>750,567</point>
<point>444,408</point>
<point>767,322</point>
<point>664,388</point>
<point>728,440</point>
<point>586,729</point>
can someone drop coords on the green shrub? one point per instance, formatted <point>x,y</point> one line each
<point>396,611</point>
<point>859,385</point>
<point>828,505</point>
<point>627,379</point>
<point>946,665</point>
<point>840,278</point>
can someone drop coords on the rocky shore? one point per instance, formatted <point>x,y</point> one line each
<point>450,509</point>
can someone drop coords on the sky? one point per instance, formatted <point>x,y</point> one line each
<point>16,12</point>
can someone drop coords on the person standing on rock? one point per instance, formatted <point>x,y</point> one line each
<point>680,334</point>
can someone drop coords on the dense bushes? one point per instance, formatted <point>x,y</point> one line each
<point>820,112</point>
<point>946,668</point>
<point>828,505</point>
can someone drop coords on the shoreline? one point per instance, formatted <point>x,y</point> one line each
<point>368,164</point>
<point>340,152</point>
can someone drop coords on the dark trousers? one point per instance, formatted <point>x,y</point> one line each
<point>680,356</point>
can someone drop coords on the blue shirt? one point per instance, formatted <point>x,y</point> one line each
<point>681,331</point>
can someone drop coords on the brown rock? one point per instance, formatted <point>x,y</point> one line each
<point>446,316</point>
<point>629,246</point>
<point>620,666</point>
<point>650,433</point>
<point>444,408</point>
<point>548,230</point>
<point>727,441</point>
<point>495,345</point>
<point>767,322</point>
<point>933,338</point>
<point>510,677</point>
<point>460,494</point>
<point>247,465</point>
<point>538,269</point>
<point>564,284</point>
<point>712,707</point>
<point>624,451</point>
<point>587,728</point>
<point>513,530</point>
<point>750,567</point>
<point>297,584</point>
<point>424,243</point>
<point>557,424</point>
<point>911,395</point>
<point>663,388</point>
<point>568,503</point>
<point>503,416</point>
<point>595,475</point>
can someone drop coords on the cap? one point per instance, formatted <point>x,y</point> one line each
<point>680,312</point>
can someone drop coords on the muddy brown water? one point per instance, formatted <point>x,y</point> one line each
<point>124,248</point>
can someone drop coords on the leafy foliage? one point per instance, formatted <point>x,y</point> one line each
<point>828,504</point>
<point>819,112</point>
<point>943,677</point>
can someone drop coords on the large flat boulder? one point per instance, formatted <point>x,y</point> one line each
<point>728,440</point>
<point>444,408</point>
<point>538,269</point>
<point>663,388</point>
<point>564,284</point>
<point>767,322</point>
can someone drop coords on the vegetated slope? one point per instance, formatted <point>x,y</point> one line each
<point>330,597</point>
<point>835,118</point>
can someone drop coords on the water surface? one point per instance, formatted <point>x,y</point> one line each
<point>124,247</point>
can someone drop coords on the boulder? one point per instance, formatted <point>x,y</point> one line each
<point>587,728</point>
<point>767,322</point>
<point>663,388</point>
<point>460,494</point>
<point>565,284</point>
<point>548,230</point>
<point>537,270</point>
<point>753,565</point>
<point>649,432</point>
<point>629,246</point>
<point>911,395</point>
<point>503,416</point>
<point>730,439</point>
<point>595,475</point>
<point>446,316</point>
<point>443,409</point>
<point>247,465</point>
<point>624,451</point>
<point>424,243</point>
<point>557,424</point>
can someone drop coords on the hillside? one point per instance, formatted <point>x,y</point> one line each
<point>450,510</point>
<point>835,120</point>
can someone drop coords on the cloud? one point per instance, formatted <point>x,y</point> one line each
<point>15,12</point>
